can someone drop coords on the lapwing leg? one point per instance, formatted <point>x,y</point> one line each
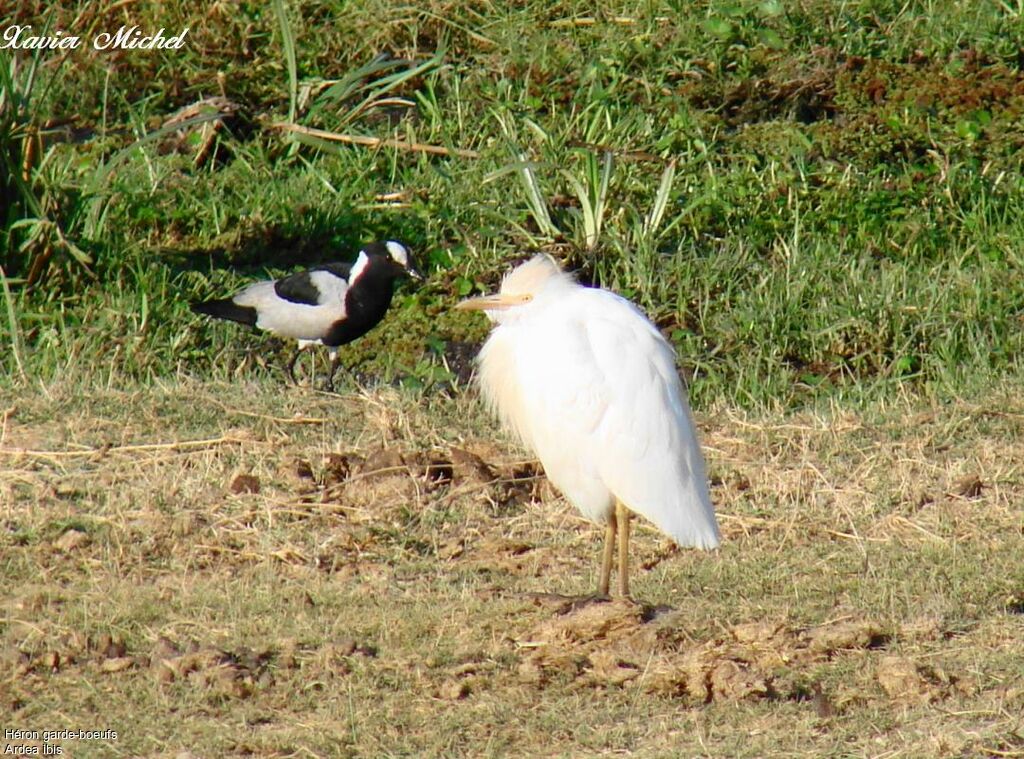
<point>291,366</point>
<point>329,385</point>
<point>622,518</point>
<point>606,560</point>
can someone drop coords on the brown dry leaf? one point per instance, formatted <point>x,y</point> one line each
<point>850,634</point>
<point>72,540</point>
<point>734,681</point>
<point>469,467</point>
<point>118,664</point>
<point>969,487</point>
<point>245,483</point>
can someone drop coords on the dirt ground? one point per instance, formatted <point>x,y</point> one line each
<point>247,570</point>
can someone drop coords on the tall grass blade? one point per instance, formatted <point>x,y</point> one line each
<point>99,176</point>
<point>288,41</point>
<point>653,219</point>
<point>372,80</point>
<point>535,198</point>
<point>12,321</point>
<point>593,196</point>
<point>533,195</point>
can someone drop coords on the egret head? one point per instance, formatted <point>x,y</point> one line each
<point>523,290</point>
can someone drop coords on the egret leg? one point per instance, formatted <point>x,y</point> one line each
<point>606,561</point>
<point>622,517</point>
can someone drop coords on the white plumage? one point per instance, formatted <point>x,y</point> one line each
<point>305,322</point>
<point>590,385</point>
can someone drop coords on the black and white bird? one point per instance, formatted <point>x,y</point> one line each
<point>331,304</point>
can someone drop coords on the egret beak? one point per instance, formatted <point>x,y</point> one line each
<point>495,302</point>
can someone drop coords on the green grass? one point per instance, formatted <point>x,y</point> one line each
<point>819,203</point>
<point>842,219</point>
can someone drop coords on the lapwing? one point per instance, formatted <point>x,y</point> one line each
<point>331,304</point>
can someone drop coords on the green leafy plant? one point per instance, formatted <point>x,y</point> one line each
<point>35,226</point>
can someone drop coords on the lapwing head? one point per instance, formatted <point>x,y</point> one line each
<point>394,254</point>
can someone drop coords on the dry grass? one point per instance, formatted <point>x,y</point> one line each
<point>250,571</point>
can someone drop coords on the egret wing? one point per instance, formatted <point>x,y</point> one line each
<point>646,446</point>
<point>543,382</point>
<point>592,389</point>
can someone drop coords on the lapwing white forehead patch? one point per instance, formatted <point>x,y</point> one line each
<point>398,252</point>
<point>357,268</point>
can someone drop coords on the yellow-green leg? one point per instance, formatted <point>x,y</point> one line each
<point>606,561</point>
<point>622,518</point>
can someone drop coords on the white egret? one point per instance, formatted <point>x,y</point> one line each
<point>590,386</point>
